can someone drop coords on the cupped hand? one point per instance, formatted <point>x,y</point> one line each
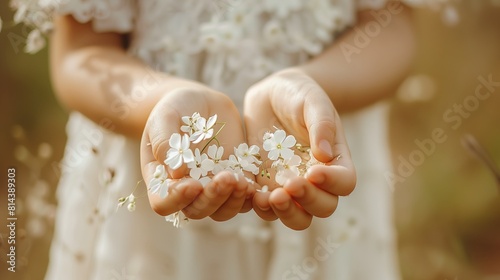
<point>292,101</point>
<point>226,194</point>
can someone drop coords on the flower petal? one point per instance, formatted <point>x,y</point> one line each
<point>207,165</point>
<point>209,134</point>
<point>185,142</point>
<point>294,160</point>
<point>279,135</point>
<point>195,173</point>
<point>268,145</point>
<point>211,121</point>
<point>197,137</point>
<point>164,188</point>
<point>174,162</point>
<point>220,152</point>
<point>188,156</point>
<point>286,154</point>
<point>289,141</point>
<point>175,140</point>
<point>212,150</point>
<point>273,154</point>
<point>204,181</point>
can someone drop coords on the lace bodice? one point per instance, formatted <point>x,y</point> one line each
<point>226,44</point>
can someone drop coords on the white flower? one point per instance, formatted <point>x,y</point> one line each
<point>274,33</point>
<point>131,207</point>
<point>279,145</point>
<point>190,123</point>
<point>267,135</point>
<point>287,169</point>
<point>200,166</point>
<point>21,13</point>
<point>216,36</point>
<point>234,164</point>
<point>179,151</point>
<point>177,218</point>
<point>209,36</point>
<point>44,151</point>
<point>282,8</point>
<point>417,88</point>
<point>160,183</point>
<point>131,198</point>
<point>215,153</point>
<point>204,180</point>
<point>250,167</point>
<point>36,227</point>
<point>248,154</point>
<point>239,165</point>
<point>204,129</point>
<point>264,189</point>
<point>34,42</point>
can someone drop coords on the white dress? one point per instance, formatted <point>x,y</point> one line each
<point>227,45</point>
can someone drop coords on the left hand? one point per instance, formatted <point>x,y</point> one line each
<point>294,102</point>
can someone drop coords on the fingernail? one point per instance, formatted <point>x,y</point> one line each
<point>299,193</point>
<point>264,208</point>
<point>282,206</point>
<point>325,147</point>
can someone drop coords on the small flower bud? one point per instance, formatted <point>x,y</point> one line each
<point>131,207</point>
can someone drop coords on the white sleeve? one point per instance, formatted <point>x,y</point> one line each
<point>370,4</point>
<point>106,15</point>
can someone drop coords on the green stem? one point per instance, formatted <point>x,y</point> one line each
<point>214,137</point>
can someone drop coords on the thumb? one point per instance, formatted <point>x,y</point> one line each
<point>321,121</point>
<point>162,124</point>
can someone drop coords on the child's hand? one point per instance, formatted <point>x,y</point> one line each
<point>292,101</point>
<point>226,194</point>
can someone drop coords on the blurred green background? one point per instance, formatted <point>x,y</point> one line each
<point>447,209</point>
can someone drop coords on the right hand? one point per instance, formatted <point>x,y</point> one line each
<point>226,195</point>
<point>291,100</point>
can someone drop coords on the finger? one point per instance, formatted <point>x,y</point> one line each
<point>335,179</point>
<point>181,194</point>
<point>321,122</point>
<point>313,200</point>
<point>290,214</point>
<point>162,123</point>
<point>234,203</point>
<point>214,195</point>
<point>248,205</point>
<point>262,207</point>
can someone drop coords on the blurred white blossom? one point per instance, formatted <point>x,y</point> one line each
<point>179,151</point>
<point>200,166</point>
<point>450,15</point>
<point>417,88</point>
<point>34,42</point>
<point>160,183</point>
<point>21,153</point>
<point>44,150</point>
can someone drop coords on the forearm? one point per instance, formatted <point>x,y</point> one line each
<point>104,83</point>
<point>362,75</point>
